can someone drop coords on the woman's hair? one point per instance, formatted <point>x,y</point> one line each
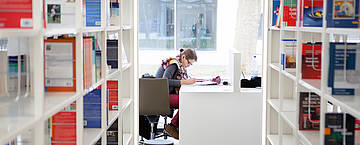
<point>189,53</point>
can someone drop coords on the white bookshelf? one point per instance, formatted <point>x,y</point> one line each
<point>282,87</point>
<point>33,112</point>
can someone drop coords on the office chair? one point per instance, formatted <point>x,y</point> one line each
<point>153,102</point>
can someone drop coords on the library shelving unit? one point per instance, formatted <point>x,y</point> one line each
<point>283,86</point>
<point>25,113</point>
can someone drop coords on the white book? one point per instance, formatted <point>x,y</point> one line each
<point>60,13</point>
<point>58,64</point>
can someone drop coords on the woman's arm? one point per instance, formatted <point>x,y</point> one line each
<point>173,82</point>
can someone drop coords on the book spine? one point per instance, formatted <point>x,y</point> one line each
<point>92,109</point>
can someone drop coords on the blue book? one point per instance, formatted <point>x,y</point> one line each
<point>92,109</point>
<point>275,11</point>
<point>93,13</point>
<point>312,13</point>
<point>344,81</point>
<point>342,14</point>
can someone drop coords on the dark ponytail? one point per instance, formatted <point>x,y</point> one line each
<point>189,53</point>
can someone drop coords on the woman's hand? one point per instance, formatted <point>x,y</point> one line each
<point>188,82</point>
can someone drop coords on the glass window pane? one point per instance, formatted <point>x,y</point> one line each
<point>156,25</point>
<point>196,24</point>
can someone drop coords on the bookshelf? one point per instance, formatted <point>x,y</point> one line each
<point>282,87</point>
<point>31,109</point>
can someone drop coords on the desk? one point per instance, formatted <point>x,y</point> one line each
<point>215,115</point>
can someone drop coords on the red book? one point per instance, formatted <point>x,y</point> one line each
<point>113,93</point>
<point>112,84</point>
<point>64,143</point>
<point>311,61</point>
<point>357,124</point>
<point>289,16</point>
<point>113,105</point>
<point>16,14</point>
<point>112,87</point>
<point>63,133</point>
<point>64,117</point>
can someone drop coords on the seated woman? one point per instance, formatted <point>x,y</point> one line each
<point>174,69</point>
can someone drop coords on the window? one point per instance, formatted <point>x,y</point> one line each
<point>156,25</point>
<point>195,24</point>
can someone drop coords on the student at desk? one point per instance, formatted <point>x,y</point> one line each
<point>174,69</point>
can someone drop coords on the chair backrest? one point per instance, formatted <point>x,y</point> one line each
<point>153,96</point>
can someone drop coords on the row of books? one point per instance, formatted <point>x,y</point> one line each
<point>60,62</point>
<point>344,65</point>
<point>339,127</point>
<point>14,66</point>
<point>57,13</point>
<point>63,124</point>
<point>311,58</point>
<point>339,13</point>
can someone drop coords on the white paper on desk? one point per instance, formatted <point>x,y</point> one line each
<point>58,64</point>
<point>205,83</point>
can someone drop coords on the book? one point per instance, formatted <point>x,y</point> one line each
<point>288,54</point>
<point>311,61</point>
<point>275,11</point>
<point>16,75</point>
<point>114,13</point>
<point>87,61</point>
<point>98,65</point>
<point>93,13</point>
<point>14,65</point>
<point>60,64</point>
<point>357,124</point>
<point>112,53</point>
<point>309,111</point>
<point>289,13</point>
<point>342,14</point>
<point>113,95</point>
<point>339,129</point>
<point>344,71</point>
<point>16,14</point>
<point>92,109</point>
<point>60,13</point>
<point>3,69</point>
<point>312,13</point>
<point>63,126</point>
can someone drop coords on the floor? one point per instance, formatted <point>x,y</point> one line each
<point>161,125</point>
